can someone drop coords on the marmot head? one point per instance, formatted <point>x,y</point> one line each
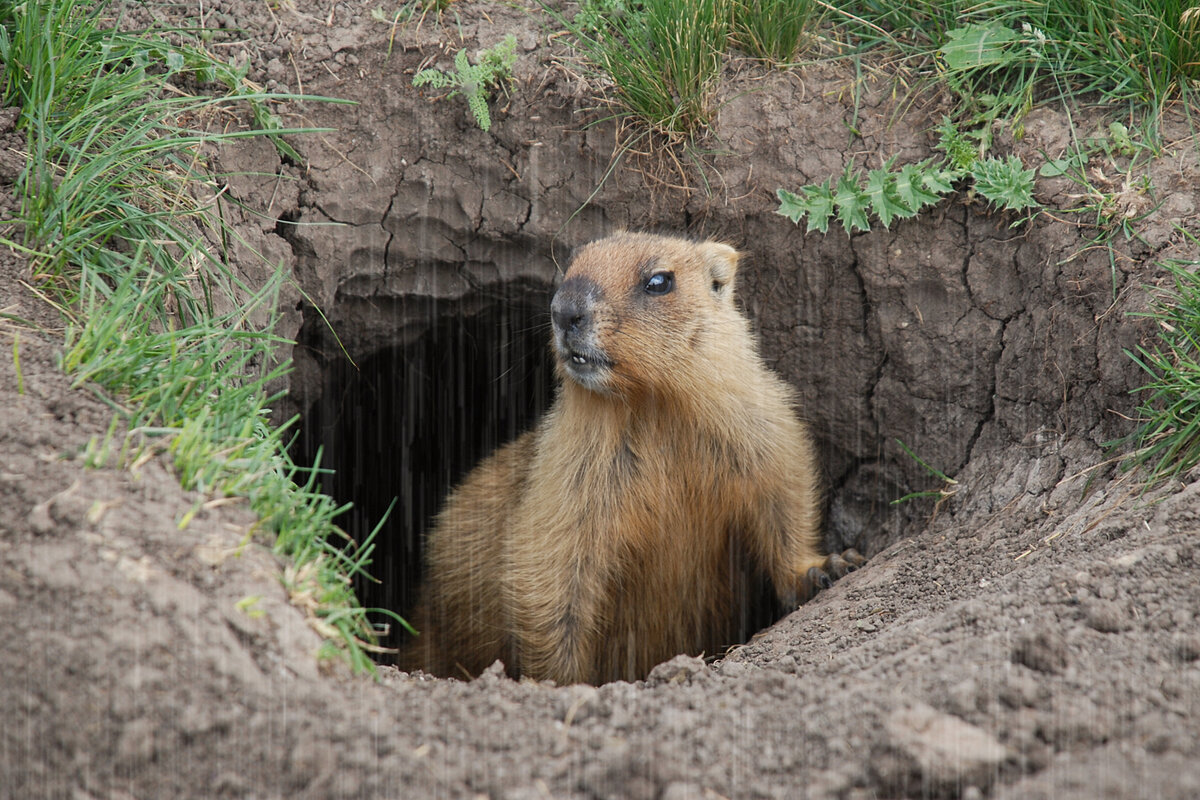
<point>640,313</point>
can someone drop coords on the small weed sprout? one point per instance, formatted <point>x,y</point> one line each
<point>593,14</point>
<point>1005,182</point>
<point>475,81</point>
<point>1112,192</point>
<point>405,13</point>
<point>948,489</point>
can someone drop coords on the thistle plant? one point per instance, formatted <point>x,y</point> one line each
<point>891,193</point>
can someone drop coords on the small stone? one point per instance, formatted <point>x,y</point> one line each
<point>963,697</point>
<point>1107,616</point>
<point>679,669</point>
<point>1020,690</point>
<point>39,519</point>
<point>1128,561</point>
<point>927,749</point>
<point>137,743</point>
<point>275,70</point>
<point>579,702</point>
<point>1044,651</point>
<point>734,669</point>
<point>679,790</point>
<point>493,675</point>
<point>8,118</point>
<point>786,664</point>
<point>1186,646</point>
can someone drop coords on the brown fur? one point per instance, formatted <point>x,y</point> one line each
<point>629,526</point>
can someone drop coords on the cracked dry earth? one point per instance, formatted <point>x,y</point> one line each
<point>1035,636</point>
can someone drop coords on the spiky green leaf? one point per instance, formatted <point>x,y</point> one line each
<point>940,181</point>
<point>881,188</point>
<point>910,187</point>
<point>1005,182</point>
<point>814,201</point>
<point>791,205</point>
<point>961,152</point>
<point>433,78</point>
<point>820,206</point>
<point>477,102</point>
<point>851,202</point>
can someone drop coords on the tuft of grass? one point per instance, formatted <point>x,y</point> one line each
<point>1167,441</point>
<point>662,56</point>
<point>1002,55</point>
<point>115,235</point>
<point>772,30</point>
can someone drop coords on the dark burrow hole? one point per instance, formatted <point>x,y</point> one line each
<point>414,417</point>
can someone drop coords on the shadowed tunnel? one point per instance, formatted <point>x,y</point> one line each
<point>414,417</point>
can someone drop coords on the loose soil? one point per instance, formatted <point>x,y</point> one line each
<point>1034,635</point>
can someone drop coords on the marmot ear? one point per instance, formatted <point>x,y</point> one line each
<point>721,261</point>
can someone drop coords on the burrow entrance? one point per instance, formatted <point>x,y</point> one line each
<point>403,423</point>
<point>413,394</point>
<point>395,420</point>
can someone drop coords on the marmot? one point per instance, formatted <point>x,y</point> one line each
<point>669,482</point>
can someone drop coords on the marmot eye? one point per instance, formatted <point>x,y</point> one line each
<point>660,283</point>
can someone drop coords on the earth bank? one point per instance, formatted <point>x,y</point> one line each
<point>1035,638</point>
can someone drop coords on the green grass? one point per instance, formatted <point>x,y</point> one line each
<point>1167,441</point>
<point>663,57</point>
<point>158,323</point>
<point>949,485</point>
<point>1001,56</point>
<point>772,30</point>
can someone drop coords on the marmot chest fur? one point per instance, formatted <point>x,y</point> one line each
<point>668,483</point>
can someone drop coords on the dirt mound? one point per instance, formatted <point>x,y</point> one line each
<point>1035,638</point>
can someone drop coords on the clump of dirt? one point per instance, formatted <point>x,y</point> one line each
<point>1032,636</point>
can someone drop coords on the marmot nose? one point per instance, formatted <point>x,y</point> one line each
<point>569,317</point>
<point>571,309</point>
